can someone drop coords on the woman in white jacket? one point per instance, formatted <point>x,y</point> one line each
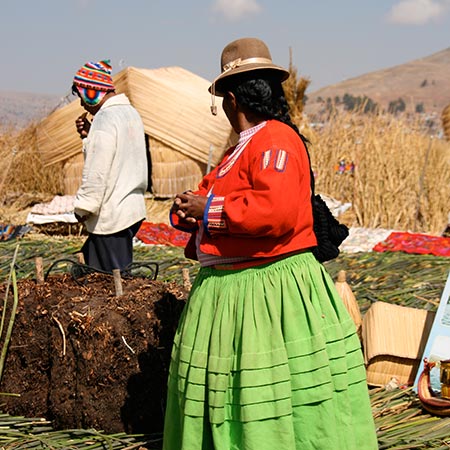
<point>110,201</point>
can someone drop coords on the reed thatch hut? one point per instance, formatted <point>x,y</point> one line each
<point>183,138</point>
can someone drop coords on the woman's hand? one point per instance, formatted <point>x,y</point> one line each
<point>189,207</point>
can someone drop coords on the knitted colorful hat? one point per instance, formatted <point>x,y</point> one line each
<point>90,96</point>
<point>95,75</point>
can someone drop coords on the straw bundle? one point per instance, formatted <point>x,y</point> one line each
<point>57,139</point>
<point>172,172</point>
<point>294,90</point>
<point>349,300</point>
<point>446,122</point>
<point>394,338</point>
<point>21,167</point>
<point>174,106</point>
<point>73,169</point>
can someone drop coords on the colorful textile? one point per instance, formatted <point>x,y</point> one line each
<point>91,96</point>
<point>415,243</point>
<point>96,76</point>
<point>8,231</point>
<point>267,358</point>
<point>161,234</point>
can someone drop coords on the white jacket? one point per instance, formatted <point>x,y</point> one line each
<point>115,169</point>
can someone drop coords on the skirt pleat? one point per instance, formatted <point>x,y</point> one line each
<point>265,358</point>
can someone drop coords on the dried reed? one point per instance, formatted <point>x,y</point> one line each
<point>294,90</point>
<point>401,175</point>
<point>400,180</point>
<point>446,122</point>
<point>172,171</point>
<point>21,167</point>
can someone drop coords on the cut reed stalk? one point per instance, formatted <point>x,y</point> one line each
<point>12,317</point>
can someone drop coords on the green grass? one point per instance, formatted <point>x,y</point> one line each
<point>395,277</point>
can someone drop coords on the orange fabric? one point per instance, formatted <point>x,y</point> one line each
<point>266,198</point>
<point>415,243</point>
<point>161,234</point>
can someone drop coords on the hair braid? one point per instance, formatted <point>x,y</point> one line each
<point>265,96</point>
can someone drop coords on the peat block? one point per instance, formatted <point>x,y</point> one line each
<point>84,358</point>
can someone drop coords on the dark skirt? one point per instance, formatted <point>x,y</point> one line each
<point>110,251</point>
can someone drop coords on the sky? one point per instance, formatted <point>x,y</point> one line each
<point>44,42</point>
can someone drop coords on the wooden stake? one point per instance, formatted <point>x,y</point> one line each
<point>118,282</point>
<point>186,279</point>
<point>349,300</point>
<point>39,270</point>
<point>80,258</point>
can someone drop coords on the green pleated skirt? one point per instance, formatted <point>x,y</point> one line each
<point>267,358</point>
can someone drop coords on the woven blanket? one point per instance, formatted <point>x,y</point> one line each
<point>363,239</point>
<point>161,234</point>
<point>8,231</point>
<point>60,204</point>
<point>415,243</point>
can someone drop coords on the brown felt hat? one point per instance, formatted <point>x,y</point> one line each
<point>245,55</point>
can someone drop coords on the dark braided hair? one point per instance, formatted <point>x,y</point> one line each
<point>262,94</point>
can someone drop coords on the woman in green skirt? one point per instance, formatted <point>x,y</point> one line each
<point>266,355</point>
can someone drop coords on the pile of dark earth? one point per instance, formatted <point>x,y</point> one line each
<point>83,357</point>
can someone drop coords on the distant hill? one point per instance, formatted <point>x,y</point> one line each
<point>423,85</point>
<point>18,109</point>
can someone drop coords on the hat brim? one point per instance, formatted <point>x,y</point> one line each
<point>279,71</point>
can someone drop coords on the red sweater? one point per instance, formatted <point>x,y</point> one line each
<point>261,205</point>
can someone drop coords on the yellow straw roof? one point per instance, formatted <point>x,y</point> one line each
<point>174,105</point>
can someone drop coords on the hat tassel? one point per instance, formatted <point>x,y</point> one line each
<point>213,100</point>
